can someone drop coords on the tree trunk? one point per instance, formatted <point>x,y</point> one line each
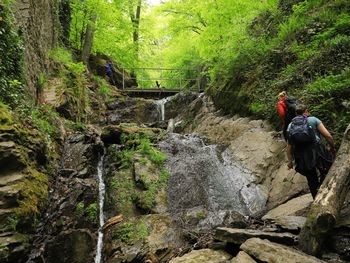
<point>328,202</point>
<point>88,40</point>
<point>65,19</point>
<point>135,19</point>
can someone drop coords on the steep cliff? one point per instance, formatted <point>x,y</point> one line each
<point>40,32</point>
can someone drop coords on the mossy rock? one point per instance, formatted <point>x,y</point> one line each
<point>112,134</point>
<point>5,115</point>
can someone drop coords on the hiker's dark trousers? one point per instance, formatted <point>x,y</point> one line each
<point>313,180</point>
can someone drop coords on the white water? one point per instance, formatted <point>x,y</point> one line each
<point>101,195</point>
<point>161,107</point>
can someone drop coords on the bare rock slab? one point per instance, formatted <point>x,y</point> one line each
<point>203,255</point>
<point>292,223</point>
<point>296,207</point>
<point>239,236</point>
<point>243,257</point>
<point>266,251</point>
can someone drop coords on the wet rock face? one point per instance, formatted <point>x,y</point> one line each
<point>78,157</point>
<point>69,226</point>
<point>205,176</point>
<point>40,32</point>
<point>79,243</point>
<point>132,110</point>
<point>178,103</point>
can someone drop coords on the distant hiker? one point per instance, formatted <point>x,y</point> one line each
<point>311,158</point>
<point>286,110</point>
<point>110,71</point>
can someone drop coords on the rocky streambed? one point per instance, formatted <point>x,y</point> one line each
<point>190,186</point>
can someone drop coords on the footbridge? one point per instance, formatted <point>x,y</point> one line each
<point>160,82</point>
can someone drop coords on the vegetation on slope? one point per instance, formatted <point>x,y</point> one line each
<point>303,50</point>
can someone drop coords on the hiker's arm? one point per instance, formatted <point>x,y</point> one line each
<point>322,129</point>
<point>289,156</point>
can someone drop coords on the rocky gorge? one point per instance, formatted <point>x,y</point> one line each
<point>189,187</point>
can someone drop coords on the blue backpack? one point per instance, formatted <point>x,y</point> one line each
<point>300,132</point>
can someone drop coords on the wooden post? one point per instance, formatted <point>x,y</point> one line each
<point>328,202</point>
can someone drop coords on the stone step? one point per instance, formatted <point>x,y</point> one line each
<point>8,196</point>
<point>4,214</point>
<point>11,178</point>
<point>239,236</point>
<point>8,191</point>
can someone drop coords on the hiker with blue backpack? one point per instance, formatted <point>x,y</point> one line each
<point>311,158</point>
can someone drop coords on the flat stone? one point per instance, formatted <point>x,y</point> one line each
<point>243,257</point>
<point>11,239</point>
<point>8,190</point>
<point>11,178</point>
<point>239,236</point>
<point>290,222</point>
<point>203,255</point>
<point>286,184</point>
<point>7,144</point>
<point>296,207</point>
<point>266,251</point>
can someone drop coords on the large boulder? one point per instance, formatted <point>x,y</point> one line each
<point>203,255</point>
<point>243,257</point>
<point>132,110</point>
<point>136,240</point>
<point>298,206</point>
<point>75,246</point>
<point>266,251</point>
<point>239,236</point>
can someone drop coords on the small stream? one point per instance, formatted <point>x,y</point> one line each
<point>101,195</point>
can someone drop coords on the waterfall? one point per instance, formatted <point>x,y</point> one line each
<point>101,195</point>
<point>161,107</point>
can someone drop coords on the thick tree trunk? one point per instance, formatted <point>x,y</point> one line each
<point>135,19</point>
<point>328,202</point>
<point>89,36</point>
<point>65,19</point>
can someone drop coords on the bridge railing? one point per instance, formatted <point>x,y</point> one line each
<point>163,78</point>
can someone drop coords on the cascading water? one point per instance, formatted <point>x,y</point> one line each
<point>161,107</point>
<point>206,176</point>
<point>101,195</point>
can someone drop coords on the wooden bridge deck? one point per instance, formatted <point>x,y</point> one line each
<point>151,93</point>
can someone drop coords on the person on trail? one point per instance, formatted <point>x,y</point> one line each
<point>311,158</point>
<point>109,72</point>
<point>285,113</point>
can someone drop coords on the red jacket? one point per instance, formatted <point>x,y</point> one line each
<point>282,108</point>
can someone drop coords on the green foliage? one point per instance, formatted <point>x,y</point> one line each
<point>130,232</point>
<point>11,87</point>
<point>105,91</point>
<point>308,55</point>
<point>5,115</point>
<point>41,122</point>
<point>33,195</point>
<point>61,55</point>
<point>13,221</point>
<point>92,212</point>
<point>75,82</point>
<point>139,148</point>
<point>79,209</point>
